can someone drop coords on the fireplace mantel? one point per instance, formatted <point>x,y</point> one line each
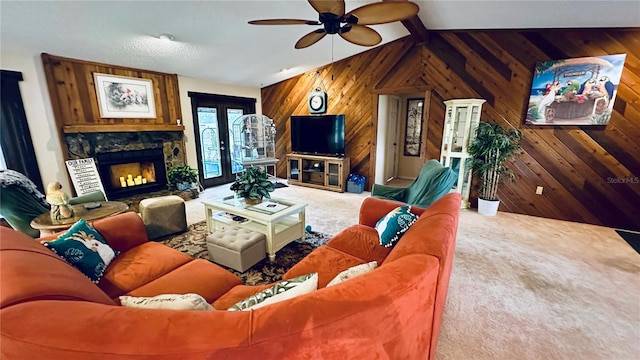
<point>73,129</point>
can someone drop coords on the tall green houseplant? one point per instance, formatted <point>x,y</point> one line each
<point>490,149</point>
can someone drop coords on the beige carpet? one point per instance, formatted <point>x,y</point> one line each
<point>530,288</point>
<point>522,287</point>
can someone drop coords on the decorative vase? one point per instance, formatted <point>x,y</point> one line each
<point>252,201</point>
<point>183,186</point>
<point>488,207</point>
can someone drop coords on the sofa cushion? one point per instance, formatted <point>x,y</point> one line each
<point>238,293</point>
<point>198,276</point>
<point>353,272</point>
<point>285,290</point>
<point>84,248</point>
<point>393,225</point>
<point>167,302</point>
<point>372,209</point>
<point>140,265</point>
<point>123,231</point>
<point>326,261</point>
<point>434,233</point>
<point>29,271</point>
<point>360,241</point>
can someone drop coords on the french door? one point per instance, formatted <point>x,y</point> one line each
<point>213,117</point>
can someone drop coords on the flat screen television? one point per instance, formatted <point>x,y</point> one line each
<point>318,134</point>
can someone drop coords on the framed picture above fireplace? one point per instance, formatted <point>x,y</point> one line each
<point>124,97</point>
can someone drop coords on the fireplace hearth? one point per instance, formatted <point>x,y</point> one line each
<point>145,155</point>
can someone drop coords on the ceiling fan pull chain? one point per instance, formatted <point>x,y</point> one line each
<point>331,58</point>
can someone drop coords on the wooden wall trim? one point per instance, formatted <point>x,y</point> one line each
<point>71,129</point>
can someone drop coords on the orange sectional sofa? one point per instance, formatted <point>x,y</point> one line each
<point>49,310</point>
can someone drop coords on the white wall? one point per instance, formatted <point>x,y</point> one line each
<point>187,84</point>
<point>42,125</point>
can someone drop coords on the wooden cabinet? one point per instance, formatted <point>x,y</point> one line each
<point>322,172</point>
<point>462,117</point>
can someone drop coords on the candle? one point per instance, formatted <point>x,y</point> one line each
<point>144,181</point>
<point>122,182</point>
<point>129,177</point>
<point>138,180</point>
<point>130,182</point>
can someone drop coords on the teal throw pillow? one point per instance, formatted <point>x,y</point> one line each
<point>393,225</point>
<point>85,249</point>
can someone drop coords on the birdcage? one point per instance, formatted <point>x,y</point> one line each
<point>253,138</point>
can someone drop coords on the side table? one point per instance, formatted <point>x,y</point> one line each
<point>48,226</point>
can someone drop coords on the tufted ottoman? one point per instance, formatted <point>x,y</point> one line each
<point>235,247</point>
<point>163,215</point>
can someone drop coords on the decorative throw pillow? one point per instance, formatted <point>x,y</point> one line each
<point>167,301</point>
<point>352,272</point>
<point>393,225</point>
<point>84,248</point>
<point>281,291</point>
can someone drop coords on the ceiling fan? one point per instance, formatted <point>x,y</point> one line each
<point>350,26</point>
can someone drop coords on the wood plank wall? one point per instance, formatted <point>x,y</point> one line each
<point>75,104</point>
<point>590,174</point>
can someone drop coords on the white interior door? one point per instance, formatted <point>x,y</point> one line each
<point>391,141</point>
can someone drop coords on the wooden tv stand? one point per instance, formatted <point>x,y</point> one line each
<point>322,172</point>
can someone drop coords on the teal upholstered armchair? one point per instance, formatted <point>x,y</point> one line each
<point>433,182</point>
<point>21,201</point>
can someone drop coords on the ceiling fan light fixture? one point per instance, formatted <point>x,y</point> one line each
<point>166,37</point>
<point>332,16</point>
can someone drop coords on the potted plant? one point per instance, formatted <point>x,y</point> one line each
<point>490,149</point>
<point>182,176</point>
<point>253,184</point>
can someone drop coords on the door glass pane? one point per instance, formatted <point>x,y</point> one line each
<point>234,150</point>
<point>334,173</point>
<point>210,140</point>
<point>459,126</point>
<point>3,164</point>
<point>294,171</point>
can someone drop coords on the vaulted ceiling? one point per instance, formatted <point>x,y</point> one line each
<point>214,42</point>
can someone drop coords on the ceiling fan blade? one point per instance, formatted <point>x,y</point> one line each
<point>310,39</point>
<point>284,22</point>
<point>360,35</point>
<point>328,6</point>
<point>382,12</point>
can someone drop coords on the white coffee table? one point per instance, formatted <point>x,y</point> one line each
<point>281,221</point>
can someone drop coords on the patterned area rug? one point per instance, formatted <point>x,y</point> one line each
<point>194,243</point>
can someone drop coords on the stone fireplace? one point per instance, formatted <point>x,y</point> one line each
<point>129,163</point>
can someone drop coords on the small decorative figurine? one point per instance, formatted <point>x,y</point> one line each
<point>58,199</point>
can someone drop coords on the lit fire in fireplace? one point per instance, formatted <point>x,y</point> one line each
<point>132,174</point>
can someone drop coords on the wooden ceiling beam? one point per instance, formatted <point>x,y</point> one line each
<point>416,28</point>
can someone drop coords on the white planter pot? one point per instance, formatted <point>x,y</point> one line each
<point>183,186</point>
<point>488,207</point>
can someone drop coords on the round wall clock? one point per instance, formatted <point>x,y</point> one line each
<point>317,102</point>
